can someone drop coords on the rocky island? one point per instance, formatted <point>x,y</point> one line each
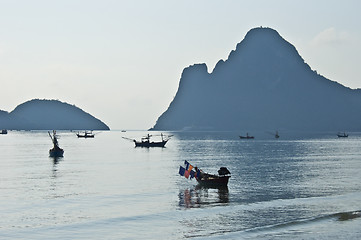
<point>264,84</point>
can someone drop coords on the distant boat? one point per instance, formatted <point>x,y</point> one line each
<point>277,135</point>
<point>146,141</point>
<point>86,134</point>
<point>4,131</point>
<point>342,135</point>
<point>56,151</point>
<point>246,137</point>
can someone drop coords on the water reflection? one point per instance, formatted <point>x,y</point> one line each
<point>201,197</point>
<point>56,160</point>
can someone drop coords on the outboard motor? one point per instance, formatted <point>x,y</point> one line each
<point>223,171</point>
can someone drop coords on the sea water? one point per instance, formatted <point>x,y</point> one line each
<point>299,186</point>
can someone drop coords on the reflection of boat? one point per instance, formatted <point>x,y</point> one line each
<point>214,181</point>
<point>56,151</point>
<point>86,134</point>
<point>202,196</point>
<point>342,135</point>
<point>4,131</point>
<point>146,142</point>
<point>246,137</point>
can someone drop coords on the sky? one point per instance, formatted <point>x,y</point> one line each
<point>121,61</point>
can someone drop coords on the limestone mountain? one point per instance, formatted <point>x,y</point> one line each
<point>264,84</point>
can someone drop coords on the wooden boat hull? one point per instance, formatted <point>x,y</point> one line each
<point>56,152</point>
<point>85,136</point>
<point>150,144</point>
<point>247,137</point>
<point>214,182</point>
<point>342,136</point>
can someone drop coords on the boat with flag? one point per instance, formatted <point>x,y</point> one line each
<point>147,142</point>
<point>56,151</point>
<point>205,179</point>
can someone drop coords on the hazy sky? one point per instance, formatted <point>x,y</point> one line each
<point>121,61</point>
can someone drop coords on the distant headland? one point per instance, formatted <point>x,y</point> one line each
<point>263,85</point>
<point>44,114</point>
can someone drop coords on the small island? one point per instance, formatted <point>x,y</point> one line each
<point>45,114</point>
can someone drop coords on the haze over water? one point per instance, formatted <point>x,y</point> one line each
<point>295,187</point>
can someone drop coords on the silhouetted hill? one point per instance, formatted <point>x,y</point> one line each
<point>49,114</point>
<point>4,119</point>
<point>263,85</point>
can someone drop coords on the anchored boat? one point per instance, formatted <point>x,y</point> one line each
<point>56,151</point>
<point>147,142</point>
<point>205,179</point>
<point>246,137</point>
<point>342,135</point>
<point>214,181</point>
<point>86,134</point>
<point>277,135</point>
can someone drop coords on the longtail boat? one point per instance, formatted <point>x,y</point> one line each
<point>342,135</point>
<point>277,135</point>
<point>246,137</point>
<point>205,179</point>
<point>146,141</point>
<point>86,134</point>
<point>56,151</point>
<point>212,180</point>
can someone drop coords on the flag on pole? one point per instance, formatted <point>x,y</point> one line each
<point>181,170</point>
<point>186,174</point>
<point>186,164</point>
<point>198,174</point>
<point>192,173</point>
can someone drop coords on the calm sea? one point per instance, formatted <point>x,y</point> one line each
<point>295,187</point>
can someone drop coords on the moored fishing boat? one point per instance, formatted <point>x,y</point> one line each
<point>56,151</point>
<point>205,179</point>
<point>246,137</point>
<point>277,135</point>
<point>86,134</point>
<point>212,180</point>
<point>342,135</point>
<point>146,141</point>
